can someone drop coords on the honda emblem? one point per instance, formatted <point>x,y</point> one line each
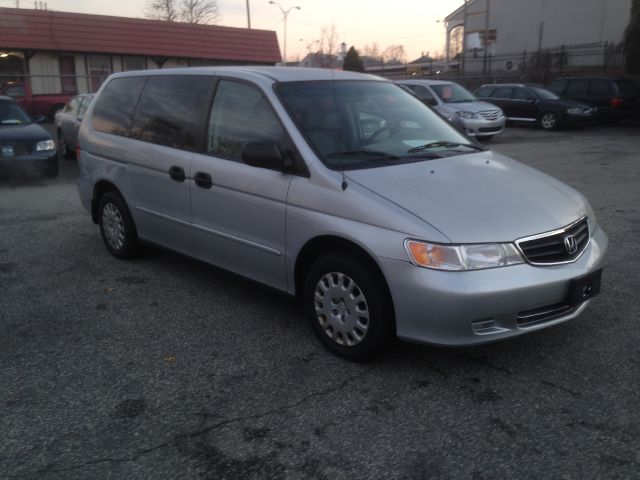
<point>570,244</point>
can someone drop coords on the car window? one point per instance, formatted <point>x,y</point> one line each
<point>240,114</point>
<point>484,91</point>
<point>544,94</point>
<point>453,93</point>
<point>601,88</point>
<point>15,91</point>
<point>423,93</point>
<point>355,124</point>
<point>522,94</point>
<point>558,86</point>
<point>577,87</point>
<point>73,106</point>
<point>171,110</point>
<point>83,106</point>
<point>116,105</point>
<point>12,114</point>
<point>502,92</point>
<point>627,89</point>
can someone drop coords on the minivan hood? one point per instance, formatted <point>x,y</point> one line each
<point>473,107</point>
<point>479,197</point>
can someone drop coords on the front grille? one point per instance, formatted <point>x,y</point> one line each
<point>556,247</point>
<point>18,150</point>
<point>490,114</point>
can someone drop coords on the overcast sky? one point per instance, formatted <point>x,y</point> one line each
<point>411,23</point>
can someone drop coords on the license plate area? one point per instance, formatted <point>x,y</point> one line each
<point>583,288</point>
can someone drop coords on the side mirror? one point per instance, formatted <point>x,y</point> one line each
<point>264,155</point>
<point>40,119</point>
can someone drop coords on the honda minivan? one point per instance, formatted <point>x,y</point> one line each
<point>344,190</point>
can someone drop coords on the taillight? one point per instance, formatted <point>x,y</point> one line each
<point>616,102</point>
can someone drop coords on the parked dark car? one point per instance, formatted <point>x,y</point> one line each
<point>68,122</point>
<point>25,147</point>
<point>34,103</point>
<point>617,98</point>
<point>536,105</point>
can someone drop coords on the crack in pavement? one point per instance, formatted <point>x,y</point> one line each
<point>203,431</point>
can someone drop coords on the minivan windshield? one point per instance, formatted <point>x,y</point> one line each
<point>354,124</point>
<point>12,114</point>
<point>453,93</point>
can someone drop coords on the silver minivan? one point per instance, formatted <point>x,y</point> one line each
<point>473,116</point>
<point>344,190</point>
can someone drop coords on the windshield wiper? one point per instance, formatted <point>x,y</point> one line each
<point>444,144</point>
<point>363,153</point>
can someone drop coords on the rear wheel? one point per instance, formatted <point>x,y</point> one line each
<point>116,226</point>
<point>348,306</point>
<point>548,121</point>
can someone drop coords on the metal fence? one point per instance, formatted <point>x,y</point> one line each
<point>474,68</point>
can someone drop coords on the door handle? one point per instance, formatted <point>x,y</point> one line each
<point>203,180</point>
<point>177,173</point>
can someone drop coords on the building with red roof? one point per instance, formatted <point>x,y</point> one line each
<point>62,52</point>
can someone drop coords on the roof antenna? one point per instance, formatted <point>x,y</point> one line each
<point>344,182</point>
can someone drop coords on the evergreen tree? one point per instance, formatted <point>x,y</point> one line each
<point>352,61</point>
<point>632,40</point>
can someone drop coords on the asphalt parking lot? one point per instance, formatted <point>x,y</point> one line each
<point>163,367</point>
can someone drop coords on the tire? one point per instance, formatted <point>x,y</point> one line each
<point>549,120</point>
<point>116,226</point>
<point>63,148</point>
<point>337,287</point>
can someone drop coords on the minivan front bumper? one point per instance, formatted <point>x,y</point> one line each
<point>474,307</point>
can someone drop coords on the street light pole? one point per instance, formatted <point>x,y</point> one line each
<point>248,16</point>
<point>285,14</point>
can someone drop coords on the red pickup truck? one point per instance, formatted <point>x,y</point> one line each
<point>45,104</point>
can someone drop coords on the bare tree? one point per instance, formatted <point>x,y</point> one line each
<point>372,51</point>
<point>166,10</point>
<point>328,45</point>
<point>189,11</point>
<point>199,11</point>
<point>394,54</point>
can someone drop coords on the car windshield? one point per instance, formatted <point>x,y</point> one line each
<point>364,124</point>
<point>12,114</point>
<point>453,93</point>
<point>544,94</point>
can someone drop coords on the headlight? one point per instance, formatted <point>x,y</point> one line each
<point>462,257</point>
<point>464,114</point>
<point>45,145</point>
<point>574,111</point>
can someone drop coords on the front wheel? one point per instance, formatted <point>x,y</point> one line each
<point>116,226</point>
<point>549,121</point>
<point>348,306</point>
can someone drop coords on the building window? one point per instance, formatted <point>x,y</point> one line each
<point>132,63</point>
<point>99,70</point>
<point>68,74</point>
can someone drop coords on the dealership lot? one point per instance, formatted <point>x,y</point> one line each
<point>164,367</point>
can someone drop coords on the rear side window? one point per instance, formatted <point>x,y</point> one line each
<point>577,87</point>
<point>558,86</point>
<point>114,109</point>
<point>502,92</point>
<point>484,92</point>
<point>171,110</point>
<point>601,88</point>
<point>240,114</point>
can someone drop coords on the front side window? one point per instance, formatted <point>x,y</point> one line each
<point>502,92</point>
<point>240,114</point>
<point>544,94</point>
<point>171,109</point>
<point>114,108</point>
<point>484,91</point>
<point>522,94</point>
<point>365,124</point>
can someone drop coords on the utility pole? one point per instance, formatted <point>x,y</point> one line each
<point>248,16</point>
<point>486,37</point>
